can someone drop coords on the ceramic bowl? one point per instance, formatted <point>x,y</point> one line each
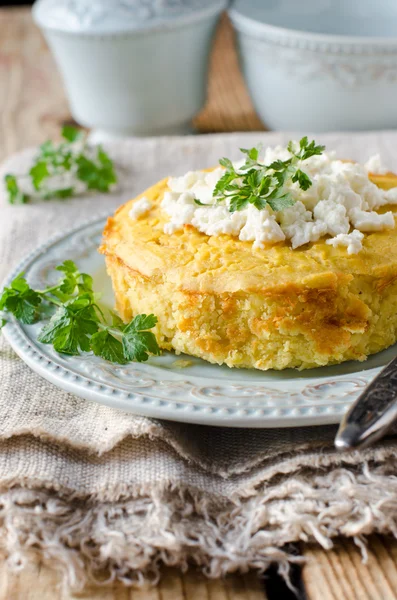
<point>320,65</point>
<point>132,67</point>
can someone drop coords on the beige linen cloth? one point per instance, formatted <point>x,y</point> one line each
<point>96,490</point>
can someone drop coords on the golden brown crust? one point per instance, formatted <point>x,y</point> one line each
<point>222,300</point>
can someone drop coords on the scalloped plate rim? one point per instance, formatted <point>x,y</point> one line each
<point>234,415</point>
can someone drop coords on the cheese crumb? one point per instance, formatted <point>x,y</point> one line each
<point>391,196</point>
<point>341,198</point>
<point>217,220</point>
<point>333,215</point>
<point>371,221</point>
<point>139,208</point>
<point>261,228</point>
<point>375,165</point>
<point>353,241</point>
<point>299,227</point>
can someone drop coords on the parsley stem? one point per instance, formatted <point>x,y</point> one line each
<point>53,301</point>
<point>48,290</point>
<point>112,330</point>
<point>99,310</point>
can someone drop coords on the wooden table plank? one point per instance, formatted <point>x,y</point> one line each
<point>38,582</point>
<point>340,574</point>
<point>32,100</point>
<point>229,107</point>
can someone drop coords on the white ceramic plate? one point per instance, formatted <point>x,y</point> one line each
<point>199,393</point>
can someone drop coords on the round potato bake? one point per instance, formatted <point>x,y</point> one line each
<point>262,305</point>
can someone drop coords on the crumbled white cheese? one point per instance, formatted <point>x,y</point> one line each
<point>180,207</point>
<point>297,212</point>
<point>139,208</point>
<point>184,183</point>
<point>353,241</point>
<point>260,227</point>
<point>391,196</point>
<point>333,215</point>
<point>198,183</point>
<point>303,232</point>
<point>371,221</point>
<point>340,198</point>
<point>217,220</point>
<point>298,225</point>
<point>375,165</point>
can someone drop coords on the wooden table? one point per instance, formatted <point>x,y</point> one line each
<point>32,108</point>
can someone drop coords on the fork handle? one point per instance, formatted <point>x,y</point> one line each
<point>372,414</point>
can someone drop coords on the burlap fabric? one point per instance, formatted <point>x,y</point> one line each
<point>96,490</point>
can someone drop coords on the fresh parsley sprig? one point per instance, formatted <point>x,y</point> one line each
<point>265,185</point>
<point>63,170</point>
<point>78,323</point>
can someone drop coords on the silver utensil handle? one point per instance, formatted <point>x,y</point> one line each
<point>373,412</point>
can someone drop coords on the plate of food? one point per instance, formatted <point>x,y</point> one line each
<point>260,293</point>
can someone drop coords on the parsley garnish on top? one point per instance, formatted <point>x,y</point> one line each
<point>78,323</point>
<point>63,170</point>
<point>265,185</point>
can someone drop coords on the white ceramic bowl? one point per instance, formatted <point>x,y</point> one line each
<point>132,67</point>
<point>320,65</point>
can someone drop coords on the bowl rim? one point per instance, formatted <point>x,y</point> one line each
<point>155,25</point>
<point>256,28</point>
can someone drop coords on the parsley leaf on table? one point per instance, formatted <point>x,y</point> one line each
<point>39,172</point>
<point>61,193</point>
<point>71,134</point>
<point>265,185</point>
<point>63,170</point>
<point>78,323</point>
<point>98,176</point>
<point>15,195</point>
